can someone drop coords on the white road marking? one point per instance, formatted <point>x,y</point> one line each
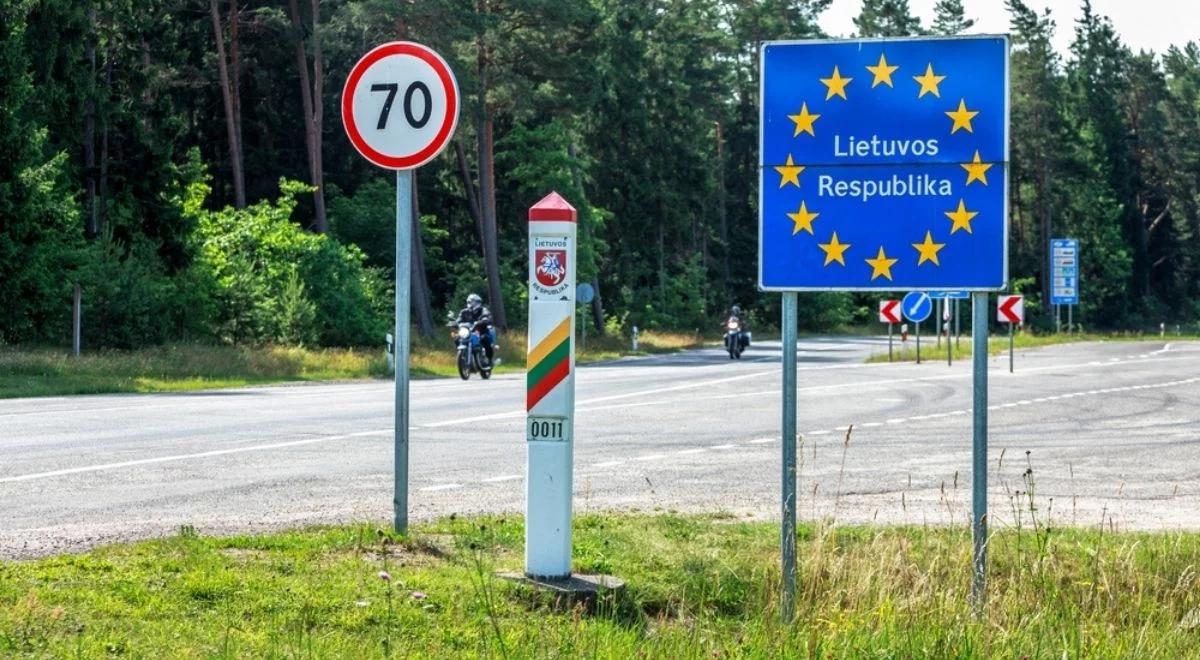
<point>650,457</point>
<point>183,457</point>
<point>817,433</point>
<point>699,450</point>
<point>729,446</point>
<point>762,441</point>
<point>506,477</point>
<point>608,464</point>
<point>430,489</point>
<point>869,425</point>
<point>897,421</point>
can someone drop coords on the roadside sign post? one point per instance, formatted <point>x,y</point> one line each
<point>979,444</point>
<point>921,206</point>
<point>787,527</point>
<point>889,314</point>
<point>1010,310</point>
<point>550,389</point>
<point>399,109</point>
<point>584,295</point>
<point>946,326</point>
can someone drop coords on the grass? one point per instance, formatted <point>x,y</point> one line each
<point>176,368</point>
<point>998,344</point>
<point>183,367</point>
<point>698,586</point>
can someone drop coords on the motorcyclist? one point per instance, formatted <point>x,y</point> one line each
<point>735,313</point>
<point>480,318</point>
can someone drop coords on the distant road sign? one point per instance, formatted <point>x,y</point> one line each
<point>917,306</point>
<point>584,293</point>
<point>883,164</point>
<point>1064,271</point>
<point>400,105</point>
<point>1010,309</point>
<point>949,295</point>
<point>889,312</point>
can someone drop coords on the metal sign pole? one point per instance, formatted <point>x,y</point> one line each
<point>1070,319</point>
<point>979,321</point>
<point>1010,347</point>
<point>404,222</point>
<point>957,328</point>
<point>787,528</point>
<point>949,349</point>
<point>918,342</point>
<point>889,342</point>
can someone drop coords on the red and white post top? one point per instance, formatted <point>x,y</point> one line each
<point>552,245</point>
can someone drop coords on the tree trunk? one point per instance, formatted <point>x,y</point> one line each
<point>491,243</point>
<point>722,220</point>
<point>464,171</point>
<point>586,227</point>
<point>420,286</point>
<point>231,122</point>
<point>235,92</point>
<point>91,224</point>
<point>311,105</point>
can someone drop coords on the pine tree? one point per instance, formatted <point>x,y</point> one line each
<point>949,18</point>
<point>887,18</point>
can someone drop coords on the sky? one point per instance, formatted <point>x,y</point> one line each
<point>1142,24</point>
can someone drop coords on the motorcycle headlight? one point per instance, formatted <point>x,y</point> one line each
<point>463,332</point>
<point>733,325</point>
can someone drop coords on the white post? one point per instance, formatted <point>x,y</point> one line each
<point>550,389</point>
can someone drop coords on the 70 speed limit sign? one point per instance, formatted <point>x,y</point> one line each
<point>400,105</point>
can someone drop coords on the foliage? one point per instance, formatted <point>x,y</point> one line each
<point>274,282</point>
<point>643,115</point>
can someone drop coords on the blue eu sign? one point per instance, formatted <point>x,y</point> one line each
<point>884,165</point>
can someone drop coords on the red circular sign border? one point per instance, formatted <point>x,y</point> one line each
<point>449,84</point>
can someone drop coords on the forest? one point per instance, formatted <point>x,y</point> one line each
<point>184,163</point>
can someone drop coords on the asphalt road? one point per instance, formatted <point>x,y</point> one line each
<point>1111,432</point>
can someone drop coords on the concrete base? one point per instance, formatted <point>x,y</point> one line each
<point>589,590</point>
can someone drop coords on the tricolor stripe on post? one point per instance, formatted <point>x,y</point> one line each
<point>548,364</point>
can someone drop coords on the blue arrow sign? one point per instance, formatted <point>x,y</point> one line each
<point>883,164</point>
<point>916,306</point>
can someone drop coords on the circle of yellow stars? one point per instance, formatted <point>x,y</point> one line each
<point>928,83</point>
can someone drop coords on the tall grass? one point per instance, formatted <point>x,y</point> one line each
<point>698,586</point>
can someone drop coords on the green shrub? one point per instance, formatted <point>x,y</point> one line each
<point>275,282</point>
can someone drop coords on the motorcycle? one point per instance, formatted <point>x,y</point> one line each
<point>471,356</point>
<point>736,339</point>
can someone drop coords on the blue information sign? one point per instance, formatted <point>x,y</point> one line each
<point>883,164</point>
<point>916,306</point>
<point>1064,271</point>
<point>949,295</point>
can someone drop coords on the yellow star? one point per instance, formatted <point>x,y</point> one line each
<point>836,84</point>
<point>961,218</point>
<point>962,117</point>
<point>802,219</point>
<point>883,72</point>
<point>834,251</point>
<point>804,121</point>
<point>929,82</point>
<point>789,173</point>
<point>881,265</point>
<point>976,170</point>
<point>929,250</point>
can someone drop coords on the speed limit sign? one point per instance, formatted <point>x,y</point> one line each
<point>400,105</point>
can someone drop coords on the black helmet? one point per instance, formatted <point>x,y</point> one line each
<point>737,311</point>
<point>474,301</point>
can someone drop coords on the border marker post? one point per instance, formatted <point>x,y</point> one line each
<point>550,388</point>
<point>979,443</point>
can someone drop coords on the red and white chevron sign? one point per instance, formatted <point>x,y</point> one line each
<point>889,311</point>
<point>1010,309</point>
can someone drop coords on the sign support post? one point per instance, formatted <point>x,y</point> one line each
<point>787,528</point>
<point>550,389</point>
<point>1010,348</point>
<point>889,342</point>
<point>979,459</point>
<point>404,223</point>
<point>918,342</point>
<point>957,328</point>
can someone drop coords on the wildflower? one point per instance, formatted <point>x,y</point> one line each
<point>419,595</point>
<point>385,576</point>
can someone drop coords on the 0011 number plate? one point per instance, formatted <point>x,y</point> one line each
<point>546,429</point>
